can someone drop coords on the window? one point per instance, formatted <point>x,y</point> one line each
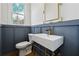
<point>18,13</point>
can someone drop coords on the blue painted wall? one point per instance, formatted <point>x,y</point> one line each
<point>7,39</point>
<point>70,31</point>
<point>11,35</point>
<point>0,42</point>
<point>70,34</point>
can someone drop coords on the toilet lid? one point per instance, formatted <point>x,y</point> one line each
<point>22,44</point>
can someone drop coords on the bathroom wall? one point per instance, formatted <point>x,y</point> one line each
<point>68,29</point>
<point>0,31</point>
<point>37,16</point>
<point>0,42</point>
<point>27,14</point>
<point>68,11</point>
<point>0,13</point>
<point>6,14</point>
<point>12,34</point>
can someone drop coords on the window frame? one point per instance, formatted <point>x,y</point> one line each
<point>17,14</point>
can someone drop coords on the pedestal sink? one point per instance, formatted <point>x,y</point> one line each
<point>52,42</point>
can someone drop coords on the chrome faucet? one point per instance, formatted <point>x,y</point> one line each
<point>49,31</point>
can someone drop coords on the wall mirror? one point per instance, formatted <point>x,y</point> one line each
<point>51,11</point>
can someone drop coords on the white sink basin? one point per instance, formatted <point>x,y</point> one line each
<point>52,42</point>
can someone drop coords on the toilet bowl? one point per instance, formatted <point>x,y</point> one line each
<point>24,48</point>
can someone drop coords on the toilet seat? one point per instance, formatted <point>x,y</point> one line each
<point>22,45</point>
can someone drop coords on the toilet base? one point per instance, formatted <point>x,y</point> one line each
<point>26,51</point>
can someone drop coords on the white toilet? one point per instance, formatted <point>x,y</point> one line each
<point>24,48</point>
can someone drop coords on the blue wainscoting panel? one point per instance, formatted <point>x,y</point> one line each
<point>12,34</point>
<point>7,39</point>
<point>19,35</point>
<point>70,33</point>
<point>68,29</point>
<point>0,43</point>
<point>37,30</point>
<point>78,39</point>
<point>27,31</point>
<point>33,29</point>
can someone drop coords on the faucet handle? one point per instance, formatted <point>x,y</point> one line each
<point>47,30</point>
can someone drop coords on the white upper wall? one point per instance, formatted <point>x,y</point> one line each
<point>70,11</point>
<point>0,13</point>
<point>34,14</point>
<point>6,14</point>
<point>37,16</point>
<point>27,14</point>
